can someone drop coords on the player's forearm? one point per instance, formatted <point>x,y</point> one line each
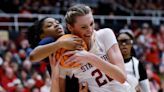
<point>111,70</point>
<point>43,51</point>
<point>55,84</point>
<point>116,59</point>
<point>62,84</point>
<point>144,84</point>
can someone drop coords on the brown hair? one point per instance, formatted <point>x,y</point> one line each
<point>76,10</point>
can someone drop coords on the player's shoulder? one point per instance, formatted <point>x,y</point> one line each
<point>47,40</point>
<point>104,31</point>
<point>135,60</point>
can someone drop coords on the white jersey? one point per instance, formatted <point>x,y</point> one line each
<point>96,79</point>
<point>136,74</point>
<point>132,70</point>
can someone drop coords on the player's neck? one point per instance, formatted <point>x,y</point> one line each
<point>88,43</point>
<point>126,56</point>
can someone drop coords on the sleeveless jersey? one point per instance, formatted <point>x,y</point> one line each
<point>98,81</point>
<point>135,72</point>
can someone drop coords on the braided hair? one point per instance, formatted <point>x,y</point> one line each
<point>34,32</point>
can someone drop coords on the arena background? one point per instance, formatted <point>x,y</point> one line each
<point>144,17</point>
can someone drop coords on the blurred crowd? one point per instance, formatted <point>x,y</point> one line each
<point>100,7</point>
<point>142,4</point>
<point>149,48</point>
<point>18,74</point>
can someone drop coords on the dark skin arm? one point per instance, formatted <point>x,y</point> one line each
<point>44,51</point>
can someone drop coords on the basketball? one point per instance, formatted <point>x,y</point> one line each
<point>61,51</point>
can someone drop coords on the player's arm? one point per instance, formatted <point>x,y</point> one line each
<point>57,82</point>
<point>54,84</point>
<point>43,51</point>
<point>54,74</point>
<point>116,64</point>
<point>143,81</point>
<point>144,85</point>
<point>115,69</point>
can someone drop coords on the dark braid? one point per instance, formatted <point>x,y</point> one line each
<point>34,32</point>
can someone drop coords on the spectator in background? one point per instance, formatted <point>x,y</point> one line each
<point>35,7</point>
<point>160,40</point>
<point>19,88</point>
<point>153,78</point>
<point>2,89</point>
<point>46,7</point>
<point>57,8</point>
<point>7,80</point>
<point>24,76</point>
<point>39,82</point>
<point>161,37</point>
<point>136,73</point>
<point>147,41</point>
<point>47,85</point>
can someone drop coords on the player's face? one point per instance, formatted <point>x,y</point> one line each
<point>52,27</point>
<point>125,44</point>
<point>83,27</point>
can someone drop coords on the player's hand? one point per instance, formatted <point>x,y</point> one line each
<point>83,87</point>
<point>78,57</point>
<point>73,43</point>
<point>54,66</point>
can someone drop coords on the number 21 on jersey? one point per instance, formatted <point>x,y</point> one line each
<point>99,77</point>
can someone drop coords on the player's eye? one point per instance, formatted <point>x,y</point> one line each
<point>84,27</point>
<point>91,24</point>
<point>48,25</point>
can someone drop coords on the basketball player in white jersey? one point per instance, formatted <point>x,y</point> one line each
<point>136,73</point>
<point>102,66</point>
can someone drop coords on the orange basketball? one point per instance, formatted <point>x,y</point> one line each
<point>60,52</point>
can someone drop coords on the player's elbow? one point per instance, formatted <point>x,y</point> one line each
<point>32,57</point>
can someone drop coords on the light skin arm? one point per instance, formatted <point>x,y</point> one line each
<point>62,84</point>
<point>55,84</point>
<point>115,69</point>
<point>54,74</point>
<point>58,83</point>
<point>117,61</point>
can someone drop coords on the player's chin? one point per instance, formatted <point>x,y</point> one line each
<point>87,37</point>
<point>61,34</point>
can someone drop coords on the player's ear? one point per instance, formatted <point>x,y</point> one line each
<point>70,28</point>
